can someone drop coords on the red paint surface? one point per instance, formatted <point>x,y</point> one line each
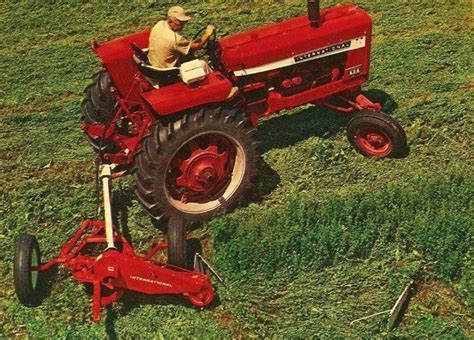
<point>179,96</point>
<point>312,81</point>
<point>116,55</point>
<point>125,270</point>
<point>295,36</point>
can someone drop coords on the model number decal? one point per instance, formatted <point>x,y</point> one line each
<point>354,70</point>
<point>323,51</point>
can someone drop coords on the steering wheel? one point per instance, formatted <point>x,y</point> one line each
<point>208,46</point>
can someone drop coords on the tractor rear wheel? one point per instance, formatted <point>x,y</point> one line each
<point>378,135</point>
<point>198,166</point>
<point>98,106</point>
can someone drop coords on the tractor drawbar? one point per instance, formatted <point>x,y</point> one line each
<point>313,13</point>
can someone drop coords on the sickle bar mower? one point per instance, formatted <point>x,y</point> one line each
<point>111,272</point>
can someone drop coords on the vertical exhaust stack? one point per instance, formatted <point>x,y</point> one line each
<point>313,13</point>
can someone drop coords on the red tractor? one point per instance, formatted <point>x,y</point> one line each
<point>191,149</point>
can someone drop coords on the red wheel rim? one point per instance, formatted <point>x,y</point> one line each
<point>373,142</point>
<point>202,170</point>
<point>203,298</point>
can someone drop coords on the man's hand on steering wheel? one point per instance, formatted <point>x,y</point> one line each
<point>205,41</point>
<point>210,29</point>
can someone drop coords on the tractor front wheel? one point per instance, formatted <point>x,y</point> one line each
<point>198,166</point>
<point>378,135</point>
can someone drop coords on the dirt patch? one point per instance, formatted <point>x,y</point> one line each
<point>438,299</point>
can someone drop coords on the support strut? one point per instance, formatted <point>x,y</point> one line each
<point>106,177</point>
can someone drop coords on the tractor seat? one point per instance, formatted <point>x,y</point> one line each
<point>164,76</point>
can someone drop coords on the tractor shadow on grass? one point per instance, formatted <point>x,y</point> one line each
<point>121,201</point>
<point>284,130</point>
<point>389,105</point>
<point>132,300</point>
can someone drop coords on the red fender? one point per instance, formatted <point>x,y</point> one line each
<point>178,97</point>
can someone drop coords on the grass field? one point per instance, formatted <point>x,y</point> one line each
<point>330,237</point>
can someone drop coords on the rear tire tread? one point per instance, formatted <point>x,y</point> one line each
<point>161,144</point>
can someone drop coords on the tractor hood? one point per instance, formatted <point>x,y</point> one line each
<point>290,38</point>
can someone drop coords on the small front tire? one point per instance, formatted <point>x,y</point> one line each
<point>27,280</point>
<point>377,135</point>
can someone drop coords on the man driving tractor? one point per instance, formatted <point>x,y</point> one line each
<point>167,46</point>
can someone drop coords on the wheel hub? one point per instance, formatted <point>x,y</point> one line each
<point>203,297</point>
<point>201,171</point>
<point>207,176</point>
<point>376,140</point>
<point>205,170</point>
<point>373,142</point>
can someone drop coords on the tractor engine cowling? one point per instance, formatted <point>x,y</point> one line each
<point>294,54</point>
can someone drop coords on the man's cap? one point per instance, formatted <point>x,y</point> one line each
<point>177,12</point>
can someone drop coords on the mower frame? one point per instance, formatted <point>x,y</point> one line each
<point>118,268</point>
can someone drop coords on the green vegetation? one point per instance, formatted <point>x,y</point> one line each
<point>330,237</point>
